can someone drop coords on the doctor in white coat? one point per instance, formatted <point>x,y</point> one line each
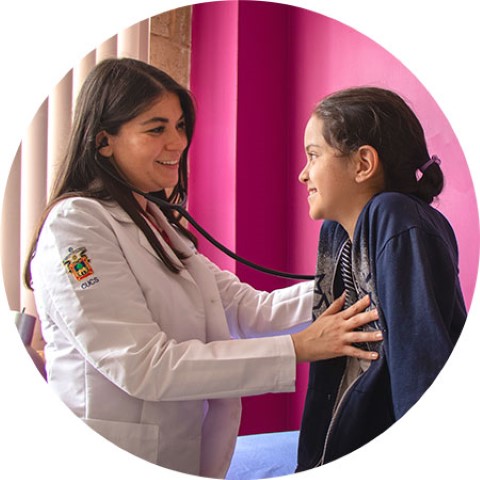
<point>147,341</point>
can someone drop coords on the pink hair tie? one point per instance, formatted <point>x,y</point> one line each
<point>434,159</point>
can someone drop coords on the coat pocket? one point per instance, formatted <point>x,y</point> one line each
<point>137,438</point>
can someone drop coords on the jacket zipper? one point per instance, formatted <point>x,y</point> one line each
<point>341,400</point>
<point>335,415</point>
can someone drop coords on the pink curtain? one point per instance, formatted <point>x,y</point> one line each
<point>258,68</point>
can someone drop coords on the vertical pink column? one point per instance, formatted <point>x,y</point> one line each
<point>262,158</point>
<point>212,179</point>
<point>262,140</point>
<point>237,162</point>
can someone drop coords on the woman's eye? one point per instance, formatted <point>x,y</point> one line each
<point>181,126</point>
<point>159,129</point>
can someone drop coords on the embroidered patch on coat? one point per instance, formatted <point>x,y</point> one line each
<point>77,263</point>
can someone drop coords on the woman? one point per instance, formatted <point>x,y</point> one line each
<point>146,340</point>
<point>370,176</point>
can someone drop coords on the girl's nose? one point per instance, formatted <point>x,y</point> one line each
<point>303,175</point>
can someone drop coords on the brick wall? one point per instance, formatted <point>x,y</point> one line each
<point>170,43</point>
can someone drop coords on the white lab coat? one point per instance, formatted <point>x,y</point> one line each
<point>145,356</point>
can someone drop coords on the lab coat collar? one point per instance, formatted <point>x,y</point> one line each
<point>117,212</point>
<point>178,242</point>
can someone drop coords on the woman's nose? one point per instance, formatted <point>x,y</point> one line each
<point>177,141</point>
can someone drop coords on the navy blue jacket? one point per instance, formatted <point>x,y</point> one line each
<point>405,257</point>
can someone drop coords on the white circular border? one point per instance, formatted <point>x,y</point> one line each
<point>436,41</point>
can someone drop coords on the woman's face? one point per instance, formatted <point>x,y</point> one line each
<point>329,177</point>
<point>147,149</point>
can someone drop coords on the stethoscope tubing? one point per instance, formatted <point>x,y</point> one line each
<point>179,207</point>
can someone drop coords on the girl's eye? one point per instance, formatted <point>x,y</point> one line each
<point>181,126</point>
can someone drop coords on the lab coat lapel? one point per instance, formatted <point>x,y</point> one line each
<point>216,328</point>
<point>122,216</point>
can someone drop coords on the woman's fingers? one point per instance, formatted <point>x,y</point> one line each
<point>361,354</point>
<point>357,307</point>
<point>336,331</point>
<point>358,336</point>
<point>336,306</point>
<point>360,319</point>
<point>364,337</point>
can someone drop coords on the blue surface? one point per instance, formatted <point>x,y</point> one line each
<point>265,455</point>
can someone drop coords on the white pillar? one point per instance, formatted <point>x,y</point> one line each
<point>10,236</point>
<point>134,42</point>
<point>81,71</point>
<point>33,189</point>
<point>107,49</point>
<point>59,124</point>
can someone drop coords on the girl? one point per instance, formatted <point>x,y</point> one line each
<point>369,175</point>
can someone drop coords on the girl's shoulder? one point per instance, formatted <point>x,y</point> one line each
<point>396,202</point>
<point>399,207</point>
<point>392,213</point>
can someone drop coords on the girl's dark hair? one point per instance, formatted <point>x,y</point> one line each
<point>382,119</point>
<point>115,92</point>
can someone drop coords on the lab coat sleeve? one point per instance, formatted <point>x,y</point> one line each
<point>416,280</point>
<point>254,313</point>
<point>111,326</point>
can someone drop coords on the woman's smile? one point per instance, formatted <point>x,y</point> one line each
<point>148,148</point>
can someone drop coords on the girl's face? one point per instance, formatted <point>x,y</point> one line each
<point>147,149</point>
<point>329,177</point>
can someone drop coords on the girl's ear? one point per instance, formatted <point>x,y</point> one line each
<point>367,164</point>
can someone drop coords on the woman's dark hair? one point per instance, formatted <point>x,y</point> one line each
<point>115,92</point>
<point>380,118</point>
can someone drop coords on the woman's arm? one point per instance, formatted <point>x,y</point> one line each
<point>254,313</point>
<point>109,323</point>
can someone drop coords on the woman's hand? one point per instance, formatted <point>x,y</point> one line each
<point>333,333</point>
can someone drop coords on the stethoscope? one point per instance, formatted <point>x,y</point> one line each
<point>180,208</point>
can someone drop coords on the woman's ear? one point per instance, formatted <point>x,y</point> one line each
<point>367,164</point>
<point>103,145</point>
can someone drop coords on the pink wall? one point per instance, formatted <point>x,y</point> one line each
<point>258,69</point>
<point>212,179</point>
